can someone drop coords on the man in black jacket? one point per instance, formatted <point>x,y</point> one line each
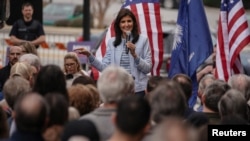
<point>27,28</point>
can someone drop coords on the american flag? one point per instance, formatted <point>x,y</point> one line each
<point>148,17</point>
<point>233,36</point>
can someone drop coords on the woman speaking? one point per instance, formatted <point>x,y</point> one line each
<point>127,49</point>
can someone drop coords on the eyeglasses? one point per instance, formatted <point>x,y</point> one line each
<point>70,64</point>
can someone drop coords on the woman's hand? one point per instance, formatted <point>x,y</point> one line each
<point>131,47</point>
<point>83,51</point>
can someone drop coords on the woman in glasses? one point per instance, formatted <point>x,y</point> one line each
<point>72,67</point>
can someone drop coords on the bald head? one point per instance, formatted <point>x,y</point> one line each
<point>31,112</point>
<point>240,82</point>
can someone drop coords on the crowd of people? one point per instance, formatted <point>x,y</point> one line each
<point>50,103</point>
<point>41,106</point>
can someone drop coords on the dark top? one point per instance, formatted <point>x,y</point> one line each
<point>214,118</point>
<point>24,136</point>
<point>4,75</point>
<point>189,111</point>
<point>28,31</point>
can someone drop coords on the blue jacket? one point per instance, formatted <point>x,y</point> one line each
<point>140,66</point>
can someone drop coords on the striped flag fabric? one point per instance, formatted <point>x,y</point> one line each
<point>233,36</point>
<point>148,17</point>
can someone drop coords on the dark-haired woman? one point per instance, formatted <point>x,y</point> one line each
<point>133,54</point>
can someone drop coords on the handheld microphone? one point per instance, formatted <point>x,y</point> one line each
<point>128,34</point>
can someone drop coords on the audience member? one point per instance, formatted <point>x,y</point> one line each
<point>73,114</point>
<point>81,98</point>
<point>166,100</point>
<point>233,119</point>
<point>50,79</point>
<point>204,82</point>
<point>28,47</point>
<point>80,128</point>
<point>14,88</point>
<point>153,83</point>
<point>31,59</point>
<point>58,116</point>
<point>34,62</point>
<point>72,67</point>
<point>132,119</point>
<point>211,98</point>
<point>4,130</point>
<point>24,70</point>
<point>233,103</point>
<point>58,104</point>
<point>186,85</point>
<point>202,134</point>
<point>172,129</point>
<point>30,115</point>
<point>95,94</point>
<point>13,55</point>
<point>113,84</point>
<point>197,119</point>
<point>241,82</point>
<point>83,79</point>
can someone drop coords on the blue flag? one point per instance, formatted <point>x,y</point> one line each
<point>192,44</point>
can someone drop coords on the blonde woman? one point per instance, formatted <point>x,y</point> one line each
<point>72,67</point>
<point>24,70</point>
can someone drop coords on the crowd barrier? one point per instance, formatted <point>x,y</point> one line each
<point>50,52</point>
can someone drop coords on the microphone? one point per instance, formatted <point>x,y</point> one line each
<point>128,34</point>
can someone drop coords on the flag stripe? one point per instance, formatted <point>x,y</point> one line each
<point>239,44</point>
<point>239,30</point>
<point>221,48</point>
<point>235,18</point>
<point>149,30</point>
<point>157,39</point>
<point>233,36</point>
<point>237,67</point>
<point>149,23</point>
<point>243,43</point>
<point>147,27</point>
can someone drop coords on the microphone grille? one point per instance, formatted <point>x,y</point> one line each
<point>128,33</point>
